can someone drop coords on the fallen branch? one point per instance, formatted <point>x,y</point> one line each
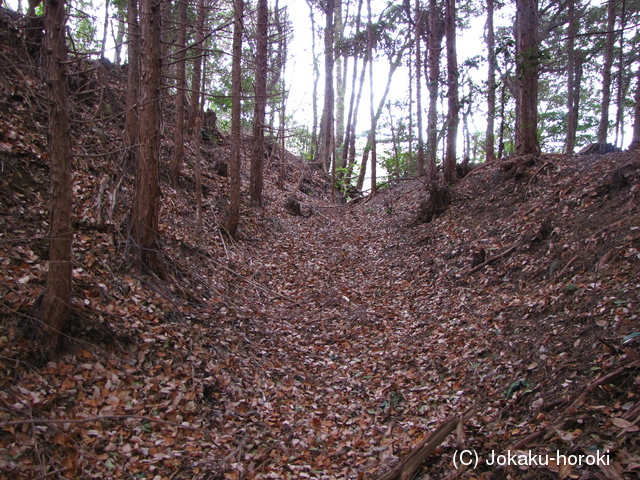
<point>492,259</point>
<point>566,267</point>
<point>596,383</point>
<point>576,403</point>
<point>256,284</point>
<point>407,468</point>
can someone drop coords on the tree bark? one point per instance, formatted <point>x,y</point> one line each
<point>435,36</point>
<point>572,113</point>
<point>194,107</point>
<point>636,123</point>
<point>351,118</point>
<point>198,134</point>
<point>260,90</point>
<point>57,294</point>
<point>146,200</point>
<point>181,86</point>
<point>352,136</point>
<point>419,88</point>
<point>449,167</point>
<point>105,30</point>
<point>119,36</point>
<point>133,82</point>
<point>327,123</point>
<point>527,66</point>
<point>623,80</point>
<point>234,192</point>
<point>603,126</point>
<point>374,120</point>
<point>491,84</point>
<point>341,68</point>
<point>316,78</point>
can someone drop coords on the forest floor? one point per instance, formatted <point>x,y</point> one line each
<point>326,345</point>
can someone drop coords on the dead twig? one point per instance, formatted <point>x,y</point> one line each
<point>492,259</point>
<point>407,468</point>
<point>576,403</point>
<point>566,267</point>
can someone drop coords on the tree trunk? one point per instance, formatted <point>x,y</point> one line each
<point>371,138</point>
<point>260,90</point>
<point>316,78</point>
<point>341,68</point>
<point>57,293</point>
<point>623,83</point>
<point>146,200</point>
<point>636,123</point>
<point>374,120</point>
<point>133,83</point>
<point>449,167</point>
<point>491,84</point>
<point>572,113</point>
<point>181,86</point>
<point>119,37</point>
<point>351,116</point>
<point>527,66</point>
<point>501,116</point>
<point>327,123</point>
<point>394,141</point>
<point>603,127</point>
<point>234,162</point>
<point>435,35</point>
<point>198,134</point>
<point>194,107</point>
<point>419,88</point>
<point>352,135</point>
<point>105,30</point>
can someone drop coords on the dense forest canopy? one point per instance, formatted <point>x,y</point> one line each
<point>585,63</point>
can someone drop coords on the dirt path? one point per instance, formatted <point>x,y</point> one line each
<point>347,367</point>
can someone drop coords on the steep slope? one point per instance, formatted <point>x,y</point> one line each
<point>316,346</point>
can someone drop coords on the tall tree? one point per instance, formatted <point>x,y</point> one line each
<point>491,84</point>
<point>181,86</point>
<point>434,45</point>
<point>354,123</point>
<point>233,218</point>
<point>527,68</point>
<point>260,90</point>
<point>316,78</point>
<point>574,78</point>
<point>419,87</point>
<point>603,126</point>
<point>146,199</point>
<point>196,79</point>
<point>572,87</point>
<point>325,150</point>
<point>341,62</point>
<point>372,132</point>
<point>133,82</point>
<point>623,80</point>
<point>105,29</point>
<point>449,167</point>
<point>351,115</point>
<point>636,123</point>
<point>57,293</point>
<point>371,138</point>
